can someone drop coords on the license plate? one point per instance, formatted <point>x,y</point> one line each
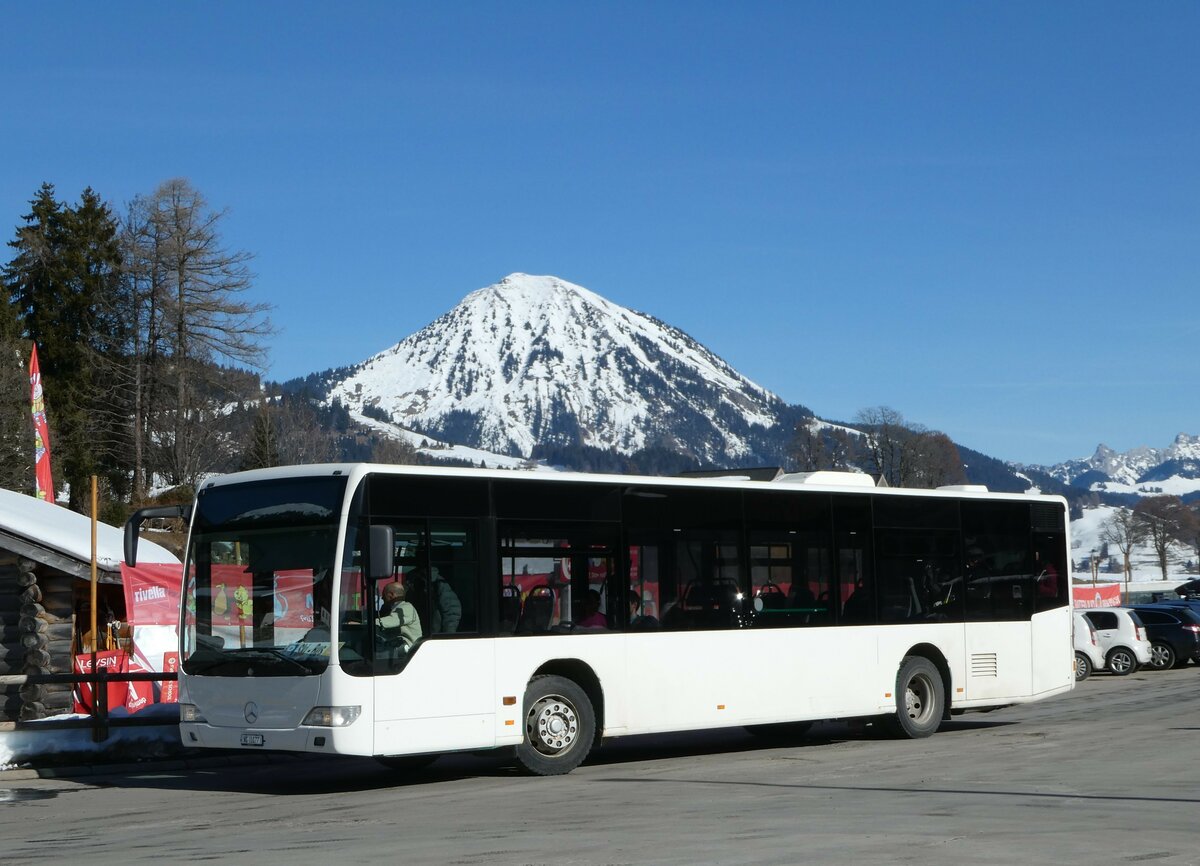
<point>252,739</point>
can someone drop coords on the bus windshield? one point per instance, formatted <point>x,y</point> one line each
<point>259,588</point>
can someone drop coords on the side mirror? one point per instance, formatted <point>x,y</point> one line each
<point>383,551</point>
<point>134,523</point>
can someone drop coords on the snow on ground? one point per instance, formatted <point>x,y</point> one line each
<point>431,447</point>
<point>60,745</point>
<point>1173,486</point>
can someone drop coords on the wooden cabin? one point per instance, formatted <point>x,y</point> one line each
<point>45,598</point>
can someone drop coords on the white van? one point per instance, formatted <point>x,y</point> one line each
<point>1122,639</point>
<point>1087,648</point>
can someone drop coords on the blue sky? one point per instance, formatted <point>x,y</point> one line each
<point>984,215</point>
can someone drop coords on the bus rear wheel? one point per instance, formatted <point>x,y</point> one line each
<point>920,699</point>
<point>560,726</point>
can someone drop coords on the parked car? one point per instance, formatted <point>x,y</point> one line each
<point>1191,589</point>
<point>1174,632</point>
<point>1087,648</point>
<point>1192,601</point>
<point>1122,639</point>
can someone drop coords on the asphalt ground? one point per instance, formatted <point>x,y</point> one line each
<point>1107,774</point>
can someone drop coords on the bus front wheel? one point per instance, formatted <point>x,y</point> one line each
<point>559,726</point>
<point>920,699</point>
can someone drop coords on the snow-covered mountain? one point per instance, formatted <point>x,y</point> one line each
<point>1174,469</point>
<point>536,360</point>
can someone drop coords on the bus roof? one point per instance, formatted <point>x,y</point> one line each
<point>823,481</point>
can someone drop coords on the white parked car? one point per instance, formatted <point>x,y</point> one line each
<point>1122,639</point>
<point>1087,648</point>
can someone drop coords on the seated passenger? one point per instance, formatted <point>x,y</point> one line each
<point>591,616</point>
<point>640,621</point>
<point>397,616</point>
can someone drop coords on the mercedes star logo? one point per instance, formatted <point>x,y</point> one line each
<point>251,712</point>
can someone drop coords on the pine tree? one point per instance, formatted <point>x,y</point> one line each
<point>36,285</point>
<point>16,430</point>
<point>263,449</point>
<point>61,281</point>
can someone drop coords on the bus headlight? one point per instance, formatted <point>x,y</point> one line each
<point>190,713</point>
<point>331,717</point>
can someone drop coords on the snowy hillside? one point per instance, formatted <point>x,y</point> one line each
<point>537,360</point>
<point>1087,536</point>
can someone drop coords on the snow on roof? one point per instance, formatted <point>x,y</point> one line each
<point>61,529</point>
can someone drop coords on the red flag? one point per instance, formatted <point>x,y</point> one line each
<point>44,484</point>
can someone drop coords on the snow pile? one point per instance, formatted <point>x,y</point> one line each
<point>40,745</point>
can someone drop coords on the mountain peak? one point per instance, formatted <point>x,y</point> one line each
<point>537,360</point>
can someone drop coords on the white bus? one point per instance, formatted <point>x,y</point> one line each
<point>549,611</point>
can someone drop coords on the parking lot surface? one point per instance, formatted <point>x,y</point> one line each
<point>1106,774</point>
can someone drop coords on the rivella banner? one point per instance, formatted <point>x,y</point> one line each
<point>152,593</point>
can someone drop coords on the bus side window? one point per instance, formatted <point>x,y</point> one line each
<point>454,575</point>
<point>852,540</point>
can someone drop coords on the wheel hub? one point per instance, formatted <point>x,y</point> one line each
<point>915,699</point>
<point>552,725</point>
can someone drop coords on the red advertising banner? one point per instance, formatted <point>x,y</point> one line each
<point>152,593</point>
<point>137,695</point>
<point>233,601</point>
<point>110,660</point>
<point>43,483</point>
<point>1101,595</point>
<point>170,690</point>
<point>294,599</point>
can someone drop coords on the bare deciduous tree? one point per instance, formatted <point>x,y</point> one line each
<point>809,450</point>
<point>883,444</point>
<point>935,460</point>
<point>1166,520</point>
<point>1123,530</point>
<point>394,451</point>
<point>907,455</point>
<point>196,315</point>
<point>302,436</point>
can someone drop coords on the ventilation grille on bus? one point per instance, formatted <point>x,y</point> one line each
<point>985,665</point>
<point>1047,518</point>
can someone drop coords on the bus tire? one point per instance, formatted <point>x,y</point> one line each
<point>406,762</point>
<point>920,699</point>
<point>560,726</point>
